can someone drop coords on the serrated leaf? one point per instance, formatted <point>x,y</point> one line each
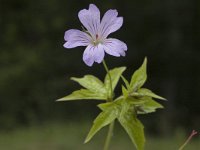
<point>82,95</point>
<point>134,129</point>
<point>115,75</point>
<point>149,106</point>
<point>104,118</point>
<point>91,83</point>
<point>139,77</point>
<point>147,92</point>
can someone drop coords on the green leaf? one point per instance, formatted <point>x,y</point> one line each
<point>139,77</point>
<point>125,107</point>
<point>126,82</point>
<point>91,83</point>
<point>116,104</point>
<point>136,101</point>
<point>134,129</point>
<point>125,92</point>
<point>149,106</point>
<point>104,118</point>
<point>115,75</point>
<point>83,94</point>
<point>105,106</point>
<point>147,92</point>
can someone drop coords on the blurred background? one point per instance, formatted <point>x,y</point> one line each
<point>35,70</point>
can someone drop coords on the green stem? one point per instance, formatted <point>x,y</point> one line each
<point>109,136</point>
<point>111,89</point>
<point>189,138</point>
<point>110,98</point>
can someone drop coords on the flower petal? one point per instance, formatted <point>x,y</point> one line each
<point>99,53</point>
<point>88,55</point>
<point>115,47</point>
<point>90,19</point>
<point>76,38</point>
<point>110,23</point>
<point>93,54</point>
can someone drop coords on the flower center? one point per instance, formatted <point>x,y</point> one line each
<point>97,36</point>
<point>97,40</point>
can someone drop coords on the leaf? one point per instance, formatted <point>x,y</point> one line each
<point>105,106</point>
<point>147,92</point>
<point>125,92</point>
<point>136,101</point>
<point>115,75</point>
<point>91,83</point>
<point>116,104</point>
<point>134,129</point>
<point>104,118</point>
<point>126,82</point>
<point>149,106</point>
<point>139,77</point>
<point>125,107</point>
<point>83,94</point>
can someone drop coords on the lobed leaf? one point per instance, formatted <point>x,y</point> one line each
<point>147,92</point>
<point>139,77</point>
<point>149,106</point>
<point>125,92</point>
<point>91,83</point>
<point>82,95</point>
<point>134,129</point>
<point>115,75</point>
<point>105,106</point>
<point>136,101</point>
<point>116,104</point>
<point>104,118</point>
<point>125,107</point>
<point>126,82</point>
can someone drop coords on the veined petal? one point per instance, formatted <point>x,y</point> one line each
<point>76,38</point>
<point>93,54</point>
<point>88,55</point>
<point>115,47</point>
<point>110,23</point>
<point>99,53</point>
<point>90,19</point>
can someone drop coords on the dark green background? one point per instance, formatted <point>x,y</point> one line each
<point>35,69</point>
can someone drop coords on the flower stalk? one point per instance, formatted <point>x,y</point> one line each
<point>110,98</point>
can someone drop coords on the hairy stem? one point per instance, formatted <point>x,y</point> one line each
<point>110,98</point>
<point>188,139</point>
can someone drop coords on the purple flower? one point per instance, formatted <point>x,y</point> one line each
<point>96,37</point>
